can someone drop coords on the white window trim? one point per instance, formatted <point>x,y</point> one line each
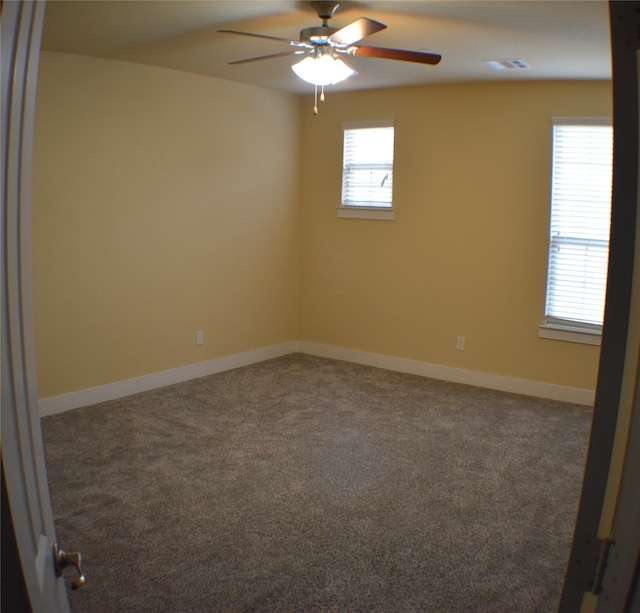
<point>551,329</point>
<point>570,335</point>
<point>582,121</point>
<point>365,125</point>
<point>366,212</point>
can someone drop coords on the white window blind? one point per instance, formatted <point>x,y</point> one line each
<point>367,171</point>
<point>580,221</point>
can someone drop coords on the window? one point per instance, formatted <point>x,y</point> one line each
<point>367,170</point>
<point>579,229</point>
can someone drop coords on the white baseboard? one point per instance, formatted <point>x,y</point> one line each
<point>119,389</point>
<point>111,391</point>
<point>455,375</point>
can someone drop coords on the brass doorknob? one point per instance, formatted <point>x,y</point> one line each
<point>63,559</point>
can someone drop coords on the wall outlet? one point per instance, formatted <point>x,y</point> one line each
<point>460,343</point>
<point>200,337</point>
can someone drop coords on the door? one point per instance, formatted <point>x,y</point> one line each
<point>620,590</point>
<point>24,473</point>
<point>603,563</point>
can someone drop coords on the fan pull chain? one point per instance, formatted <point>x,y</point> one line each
<point>315,98</point>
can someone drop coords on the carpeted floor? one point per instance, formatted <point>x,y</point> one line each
<point>306,484</point>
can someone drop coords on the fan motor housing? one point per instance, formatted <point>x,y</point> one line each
<point>317,34</point>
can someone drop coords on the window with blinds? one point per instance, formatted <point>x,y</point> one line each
<point>580,220</point>
<point>367,169</point>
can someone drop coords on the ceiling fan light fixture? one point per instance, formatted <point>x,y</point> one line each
<point>323,70</point>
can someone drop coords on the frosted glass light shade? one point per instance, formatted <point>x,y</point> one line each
<point>323,70</point>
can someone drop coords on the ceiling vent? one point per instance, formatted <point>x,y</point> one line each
<point>507,64</point>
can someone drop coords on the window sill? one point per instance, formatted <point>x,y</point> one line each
<point>571,335</point>
<point>366,212</point>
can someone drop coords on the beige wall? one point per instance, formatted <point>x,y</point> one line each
<point>467,253</point>
<point>164,203</point>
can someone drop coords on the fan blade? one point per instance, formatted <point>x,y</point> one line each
<point>356,31</point>
<point>265,57</point>
<point>397,54</point>
<point>293,43</point>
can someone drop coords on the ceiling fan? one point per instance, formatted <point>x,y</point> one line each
<point>324,49</point>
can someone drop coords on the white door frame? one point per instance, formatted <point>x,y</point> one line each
<point>620,590</point>
<point>23,462</point>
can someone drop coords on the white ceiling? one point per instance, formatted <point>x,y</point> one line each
<point>558,39</point>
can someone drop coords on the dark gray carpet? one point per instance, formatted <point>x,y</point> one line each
<point>307,484</point>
